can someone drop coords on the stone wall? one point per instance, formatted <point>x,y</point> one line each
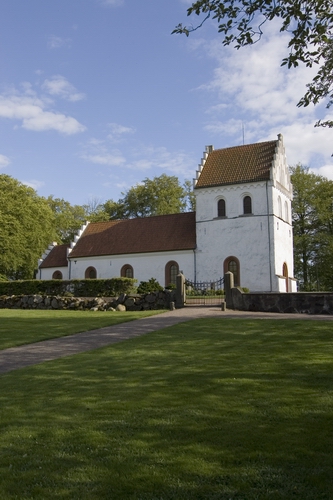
<point>155,300</point>
<point>300,302</point>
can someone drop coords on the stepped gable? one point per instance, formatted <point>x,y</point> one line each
<point>141,235</point>
<point>56,258</point>
<point>238,164</point>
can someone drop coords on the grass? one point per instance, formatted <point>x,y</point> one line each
<point>19,327</point>
<point>209,409</point>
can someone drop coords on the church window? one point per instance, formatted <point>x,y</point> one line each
<point>127,271</point>
<point>57,275</point>
<point>171,271</point>
<point>90,273</point>
<point>285,275</point>
<point>286,211</point>
<point>247,205</point>
<point>221,208</point>
<point>279,207</point>
<point>231,264</point>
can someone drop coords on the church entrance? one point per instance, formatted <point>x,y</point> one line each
<point>204,293</point>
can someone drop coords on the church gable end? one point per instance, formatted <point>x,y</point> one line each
<point>239,164</point>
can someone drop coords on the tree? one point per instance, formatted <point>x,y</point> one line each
<point>67,218</point>
<point>312,215</point>
<point>158,196</point>
<point>309,23</point>
<point>304,222</point>
<point>26,228</point>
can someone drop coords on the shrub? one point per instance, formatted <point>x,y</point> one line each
<point>171,286</point>
<point>149,286</point>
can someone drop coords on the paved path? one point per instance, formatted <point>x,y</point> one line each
<point>32,354</point>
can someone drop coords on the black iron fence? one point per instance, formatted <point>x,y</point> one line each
<point>204,292</point>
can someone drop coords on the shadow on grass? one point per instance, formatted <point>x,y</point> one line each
<point>206,409</point>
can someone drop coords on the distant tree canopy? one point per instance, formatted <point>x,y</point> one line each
<point>309,24</point>
<point>68,219</point>
<point>27,226</point>
<point>158,196</point>
<point>312,212</point>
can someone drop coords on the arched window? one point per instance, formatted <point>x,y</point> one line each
<point>279,207</point>
<point>90,273</point>
<point>221,208</point>
<point>171,271</point>
<point>127,271</point>
<point>57,275</point>
<point>247,205</point>
<point>231,264</point>
<point>285,275</point>
<point>286,212</point>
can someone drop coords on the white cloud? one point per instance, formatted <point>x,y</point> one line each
<point>325,171</point>
<point>96,152</point>
<point>34,184</point>
<point>251,90</point>
<point>117,131</point>
<point>31,111</point>
<point>159,158</point>
<point>112,3</point>
<point>60,86</point>
<point>4,161</point>
<point>56,42</point>
<point>112,159</point>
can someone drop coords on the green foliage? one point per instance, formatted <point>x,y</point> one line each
<point>27,226</point>
<point>313,229</point>
<point>149,286</point>
<point>171,286</point>
<point>3,277</point>
<point>308,23</point>
<point>158,196</point>
<point>78,288</point>
<point>68,219</point>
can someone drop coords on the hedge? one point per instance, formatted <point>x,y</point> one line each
<point>79,288</point>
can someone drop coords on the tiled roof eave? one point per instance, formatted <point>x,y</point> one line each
<point>247,181</point>
<point>78,256</point>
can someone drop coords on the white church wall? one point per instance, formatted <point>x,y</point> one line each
<point>245,238</point>
<point>262,241</point>
<point>145,266</point>
<point>242,236</point>
<point>207,199</point>
<point>47,273</point>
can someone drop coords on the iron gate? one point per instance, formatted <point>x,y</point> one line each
<point>205,293</point>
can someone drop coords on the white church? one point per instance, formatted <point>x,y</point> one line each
<point>242,224</point>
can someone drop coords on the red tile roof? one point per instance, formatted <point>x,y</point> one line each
<point>248,163</point>
<point>56,258</point>
<point>142,235</point>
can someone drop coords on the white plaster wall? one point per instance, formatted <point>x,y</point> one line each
<point>245,238</point>
<point>261,242</point>
<point>145,266</point>
<point>207,198</point>
<point>46,273</point>
<point>283,252</point>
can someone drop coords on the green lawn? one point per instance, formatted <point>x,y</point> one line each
<point>209,409</point>
<point>19,327</point>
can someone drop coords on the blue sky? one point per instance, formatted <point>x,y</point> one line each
<point>96,95</point>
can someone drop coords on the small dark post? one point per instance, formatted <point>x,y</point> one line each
<point>228,285</point>
<point>180,291</point>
